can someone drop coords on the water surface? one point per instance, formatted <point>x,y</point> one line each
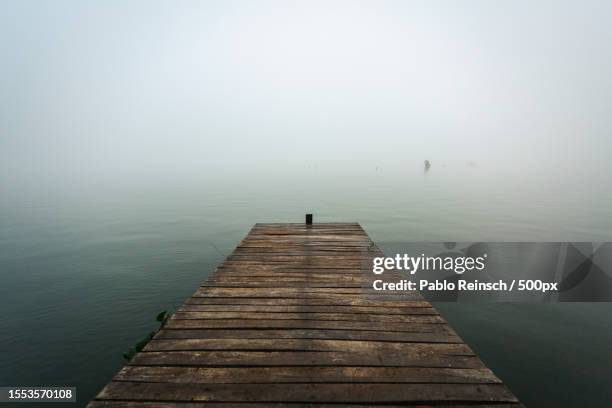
<point>85,269</point>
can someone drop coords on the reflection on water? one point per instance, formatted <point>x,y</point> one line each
<point>85,271</point>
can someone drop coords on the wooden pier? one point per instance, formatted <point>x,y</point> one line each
<point>289,320</point>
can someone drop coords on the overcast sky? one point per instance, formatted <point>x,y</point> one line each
<point>112,89</point>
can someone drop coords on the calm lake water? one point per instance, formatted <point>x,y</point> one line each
<point>86,269</point>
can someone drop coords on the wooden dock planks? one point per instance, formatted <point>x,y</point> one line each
<point>289,320</point>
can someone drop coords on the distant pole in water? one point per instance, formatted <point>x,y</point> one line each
<point>427,165</point>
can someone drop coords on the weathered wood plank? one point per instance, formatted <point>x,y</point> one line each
<point>305,345</point>
<point>213,283</point>
<point>283,291</point>
<point>309,301</point>
<point>360,317</point>
<point>439,336</point>
<point>303,358</point>
<point>308,392</point>
<point>270,270</point>
<point>310,309</point>
<point>270,375</point>
<point>265,324</point>
<point>333,296</point>
<point>287,273</point>
<point>203,404</point>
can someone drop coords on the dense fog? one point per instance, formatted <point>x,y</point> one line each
<point>133,92</point>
